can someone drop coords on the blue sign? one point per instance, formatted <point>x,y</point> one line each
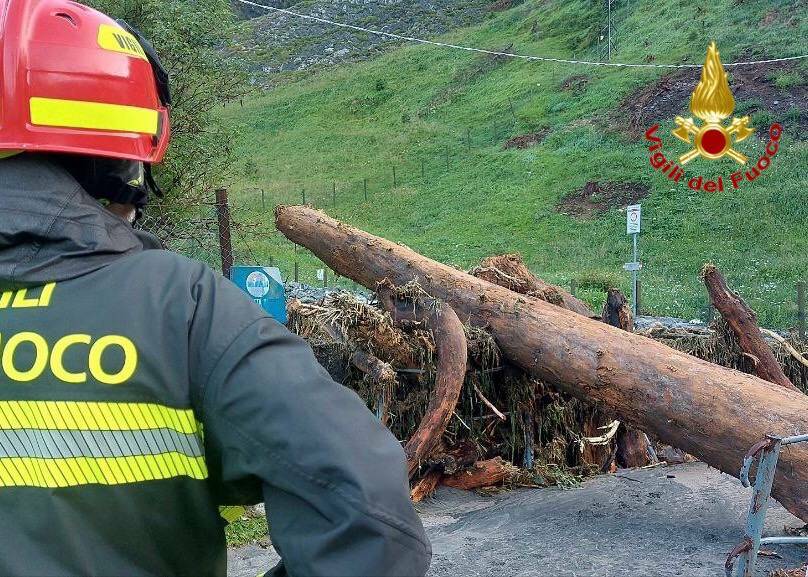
<point>264,286</point>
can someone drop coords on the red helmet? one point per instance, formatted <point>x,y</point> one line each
<point>76,81</point>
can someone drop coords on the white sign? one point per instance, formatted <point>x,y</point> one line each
<point>320,274</point>
<point>633,219</point>
<point>632,266</point>
<point>257,284</point>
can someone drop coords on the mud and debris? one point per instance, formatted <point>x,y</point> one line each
<point>524,141</point>
<point>676,521</point>
<point>775,93</point>
<point>596,198</point>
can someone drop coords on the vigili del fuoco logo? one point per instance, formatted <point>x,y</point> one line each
<point>712,102</point>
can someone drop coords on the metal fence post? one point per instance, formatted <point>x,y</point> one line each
<point>225,243</point>
<point>297,272</point>
<point>263,200</point>
<point>334,192</point>
<point>325,278</point>
<point>639,299</point>
<point>395,182</point>
<point>801,309</point>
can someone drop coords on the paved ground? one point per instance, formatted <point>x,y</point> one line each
<point>667,521</point>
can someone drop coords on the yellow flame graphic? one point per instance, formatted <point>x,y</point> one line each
<point>712,100</point>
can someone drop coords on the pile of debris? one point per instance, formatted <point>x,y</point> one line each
<point>495,376</point>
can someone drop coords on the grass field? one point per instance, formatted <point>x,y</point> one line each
<point>404,110</point>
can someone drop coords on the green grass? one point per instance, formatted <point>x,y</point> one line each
<point>246,530</point>
<point>406,107</point>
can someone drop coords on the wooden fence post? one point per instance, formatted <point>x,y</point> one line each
<point>225,244</point>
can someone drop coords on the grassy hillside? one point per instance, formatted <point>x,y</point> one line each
<point>409,106</point>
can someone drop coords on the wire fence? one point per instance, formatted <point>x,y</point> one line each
<point>220,232</point>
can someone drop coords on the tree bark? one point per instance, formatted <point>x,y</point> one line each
<point>481,474</point>
<point>633,448</point>
<point>451,358</point>
<point>743,322</point>
<point>511,272</point>
<point>426,485</point>
<point>709,411</point>
<point>617,312</point>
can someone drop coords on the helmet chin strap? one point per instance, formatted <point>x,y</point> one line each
<point>123,182</point>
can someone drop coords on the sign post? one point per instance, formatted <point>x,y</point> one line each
<point>633,222</point>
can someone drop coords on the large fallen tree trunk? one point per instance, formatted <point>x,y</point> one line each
<point>633,446</point>
<point>451,356</point>
<point>743,322</point>
<point>709,411</point>
<point>511,272</point>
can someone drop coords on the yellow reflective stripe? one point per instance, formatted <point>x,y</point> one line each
<point>54,473</point>
<point>91,415</point>
<point>93,115</point>
<point>231,512</point>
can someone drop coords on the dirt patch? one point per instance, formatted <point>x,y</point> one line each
<point>595,198</point>
<point>768,19</point>
<point>527,140</point>
<point>575,83</point>
<point>502,5</point>
<point>757,93</point>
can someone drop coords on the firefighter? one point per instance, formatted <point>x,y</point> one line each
<point>139,390</point>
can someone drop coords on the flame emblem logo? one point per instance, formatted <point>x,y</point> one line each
<point>712,102</point>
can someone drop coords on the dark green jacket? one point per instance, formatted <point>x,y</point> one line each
<point>139,391</point>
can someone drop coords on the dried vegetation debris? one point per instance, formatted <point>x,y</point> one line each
<point>502,412</point>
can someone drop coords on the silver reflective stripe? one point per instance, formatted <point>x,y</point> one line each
<point>55,444</point>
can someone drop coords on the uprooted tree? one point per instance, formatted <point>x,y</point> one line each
<point>707,410</point>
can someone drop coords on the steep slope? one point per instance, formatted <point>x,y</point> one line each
<point>556,193</point>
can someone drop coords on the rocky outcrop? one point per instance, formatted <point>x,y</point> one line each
<point>289,43</point>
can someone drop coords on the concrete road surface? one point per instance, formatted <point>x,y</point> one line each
<point>667,521</point>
